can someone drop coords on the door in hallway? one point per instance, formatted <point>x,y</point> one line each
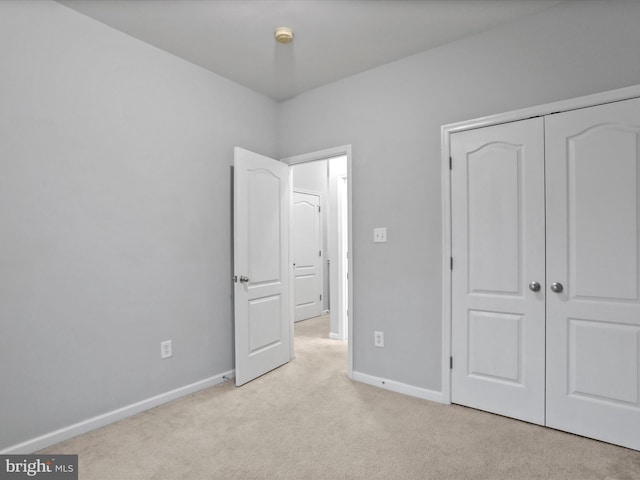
<point>307,258</point>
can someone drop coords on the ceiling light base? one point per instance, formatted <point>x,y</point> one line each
<point>283,35</point>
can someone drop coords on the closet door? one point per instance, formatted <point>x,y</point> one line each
<point>498,324</point>
<point>593,314</point>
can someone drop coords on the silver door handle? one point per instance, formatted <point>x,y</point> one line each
<point>534,286</point>
<point>556,287</point>
<point>244,279</point>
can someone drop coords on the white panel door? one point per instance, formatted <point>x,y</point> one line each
<point>261,264</point>
<point>307,256</point>
<point>593,324</point>
<point>498,323</point>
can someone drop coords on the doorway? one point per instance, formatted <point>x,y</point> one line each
<point>326,176</point>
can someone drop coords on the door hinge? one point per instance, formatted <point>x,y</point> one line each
<point>320,296</point>
<point>450,163</point>
<point>450,363</point>
<point>318,208</point>
<point>451,262</point>
<point>319,253</point>
<point>235,279</point>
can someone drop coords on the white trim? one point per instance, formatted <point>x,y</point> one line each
<point>292,274</point>
<point>399,387</point>
<point>546,109</point>
<point>350,314</point>
<point>85,426</point>
<point>335,336</point>
<point>319,155</point>
<point>446,267</point>
<point>341,253</point>
<point>446,131</point>
<point>323,155</point>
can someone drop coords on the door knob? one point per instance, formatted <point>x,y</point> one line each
<point>244,279</point>
<point>556,287</point>
<point>534,286</point>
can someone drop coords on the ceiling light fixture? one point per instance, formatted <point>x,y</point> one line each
<point>283,35</point>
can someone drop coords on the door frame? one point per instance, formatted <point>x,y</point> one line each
<point>445,138</point>
<point>342,254</point>
<point>344,150</point>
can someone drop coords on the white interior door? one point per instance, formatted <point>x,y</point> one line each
<point>498,323</point>
<point>261,264</point>
<point>307,257</point>
<point>593,324</point>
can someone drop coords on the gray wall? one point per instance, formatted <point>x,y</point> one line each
<point>392,117</point>
<point>311,176</point>
<point>115,174</point>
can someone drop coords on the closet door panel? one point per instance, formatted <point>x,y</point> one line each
<point>498,249</point>
<point>593,324</point>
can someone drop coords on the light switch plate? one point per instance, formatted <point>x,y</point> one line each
<point>380,235</point>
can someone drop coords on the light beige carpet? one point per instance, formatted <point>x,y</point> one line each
<point>307,420</point>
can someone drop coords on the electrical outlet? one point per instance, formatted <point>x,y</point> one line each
<point>166,350</point>
<point>378,339</point>
<point>380,235</point>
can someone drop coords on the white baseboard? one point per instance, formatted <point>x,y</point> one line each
<point>399,387</point>
<point>85,426</point>
<point>335,336</point>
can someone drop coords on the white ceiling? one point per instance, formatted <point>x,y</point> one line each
<point>333,38</point>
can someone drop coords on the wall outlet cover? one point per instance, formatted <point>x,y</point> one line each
<point>380,235</point>
<point>166,349</point>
